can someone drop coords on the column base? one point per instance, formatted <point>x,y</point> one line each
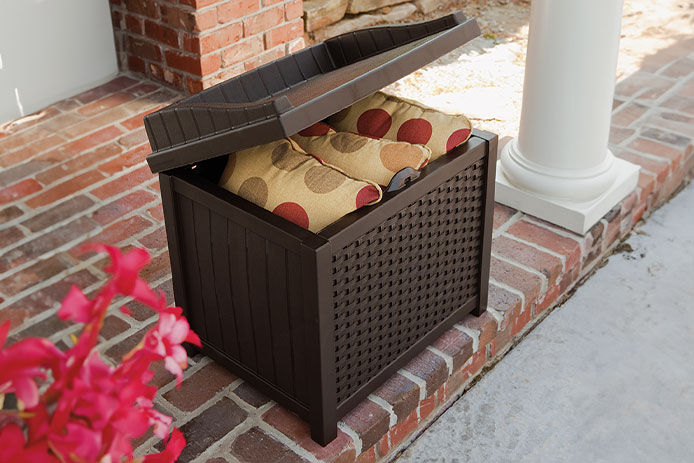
<point>578,217</point>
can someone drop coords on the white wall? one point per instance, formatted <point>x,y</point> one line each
<point>52,49</point>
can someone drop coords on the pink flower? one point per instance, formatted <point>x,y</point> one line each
<point>22,363</point>
<point>76,306</point>
<point>172,451</point>
<point>91,411</point>
<point>166,338</point>
<point>14,448</point>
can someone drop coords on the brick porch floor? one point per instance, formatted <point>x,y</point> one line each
<point>76,172</point>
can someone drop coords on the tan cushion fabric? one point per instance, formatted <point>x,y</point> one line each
<point>293,185</point>
<point>359,156</point>
<point>386,116</point>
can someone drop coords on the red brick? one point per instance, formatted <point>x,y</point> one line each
<point>126,160</point>
<point>250,395</point>
<point>134,24</point>
<point>680,68</point>
<point>619,134</point>
<point>197,4</point>
<point>297,430</point>
<point>113,326</point>
<point>110,212</point>
<point>66,188</point>
<point>9,236</point>
<point>78,163</point>
<point>19,190</point>
<point>116,233</point>
<point>58,213</point>
<point>456,344</point>
<point>295,45</point>
<point>103,104</point>
<point>103,119</point>
<point>124,182</point>
<point>158,268</point>
<point>30,150</point>
<point>628,114</point>
<point>9,213</point>
<point>214,40</point>
<point>502,214</point>
<point>32,275</point>
<point>645,145</point>
<point>144,48</point>
<point>117,84</point>
<point>505,302</point>
<point>161,33</point>
<point>242,51</point>
<point>143,7</point>
<point>263,21</point>
<point>134,139</point>
<point>264,58</point>
<point>157,213</point>
<point>485,324</point>
<point>646,85</point>
<point>547,264</point>
<point>136,122</point>
<point>401,393</point>
<point>46,243</point>
<point>254,446</point>
<point>398,433</point>
<point>200,387</point>
<point>92,140</point>
<point>284,33</point>
<point>369,421</point>
<point>646,184</point>
<point>427,406</point>
<point>549,298</point>
<point>660,168</point>
<point>431,368</point>
<point>198,66</point>
<point>155,240</point>
<point>570,248</point>
<point>680,103</point>
<point>528,283</point>
<point>136,64</point>
<point>235,9</point>
<point>190,21</point>
<point>293,10</point>
<point>664,136</point>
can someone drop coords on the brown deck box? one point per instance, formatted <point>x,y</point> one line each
<point>317,321</point>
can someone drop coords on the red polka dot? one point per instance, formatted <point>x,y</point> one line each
<point>317,129</point>
<point>367,195</point>
<point>415,131</point>
<point>456,138</point>
<point>292,212</point>
<point>374,122</point>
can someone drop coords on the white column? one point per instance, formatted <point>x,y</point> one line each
<point>559,168</point>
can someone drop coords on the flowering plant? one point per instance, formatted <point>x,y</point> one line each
<point>72,406</point>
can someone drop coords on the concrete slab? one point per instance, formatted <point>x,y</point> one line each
<point>607,377</point>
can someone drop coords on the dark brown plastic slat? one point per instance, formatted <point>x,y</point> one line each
<point>239,289</point>
<point>222,284</point>
<point>279,318</point>
<point>260,310</point>
<point>288,95</point>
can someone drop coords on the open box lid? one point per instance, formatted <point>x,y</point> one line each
<point>287,95</point>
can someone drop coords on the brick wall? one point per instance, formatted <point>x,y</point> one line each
<point>194,44</point>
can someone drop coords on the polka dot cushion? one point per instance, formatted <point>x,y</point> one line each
<point>286,181</point>
<point>359,156</point>
<point>386,116</point>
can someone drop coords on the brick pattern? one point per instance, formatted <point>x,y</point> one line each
<point>194,44</point>
<point>91,182</point>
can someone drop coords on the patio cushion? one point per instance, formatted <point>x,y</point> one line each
<point>393,118</point>
<point>286,181</point>
<point>376,160</point>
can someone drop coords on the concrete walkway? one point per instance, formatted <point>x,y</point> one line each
<point>597,381</point>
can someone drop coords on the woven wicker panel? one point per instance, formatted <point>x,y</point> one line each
<point>401,279</point>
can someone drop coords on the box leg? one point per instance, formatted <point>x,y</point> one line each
<point>323,432</point>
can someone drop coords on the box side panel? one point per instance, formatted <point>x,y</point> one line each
<point>406,278</point>
<point>243,296</point>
